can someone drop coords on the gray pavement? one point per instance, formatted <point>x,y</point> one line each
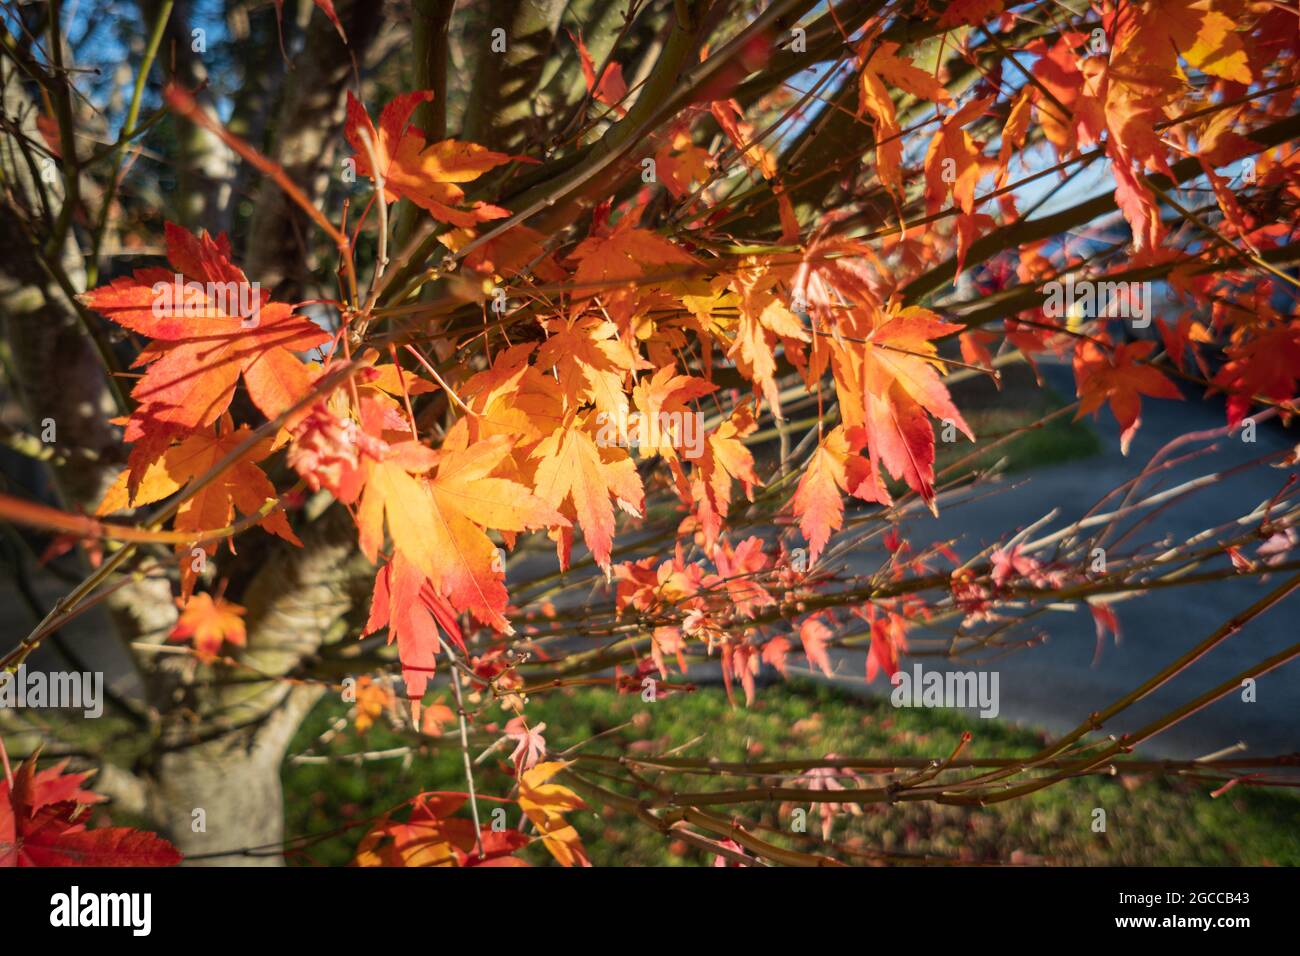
<point>1057,684</point>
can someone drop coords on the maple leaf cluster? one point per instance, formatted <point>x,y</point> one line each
<point>43,823</point>
<point>454,433</point>
<point>431,836</point>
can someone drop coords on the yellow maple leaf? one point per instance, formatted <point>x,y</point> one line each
<point>545,805</point>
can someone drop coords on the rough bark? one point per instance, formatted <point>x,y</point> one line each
<point>220,801</point>
<point>500,115</point>
<point>306,134</point>
<point>43,333</point>
<point>228,764</point>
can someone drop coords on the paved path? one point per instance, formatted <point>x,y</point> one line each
<point>1057,684</point>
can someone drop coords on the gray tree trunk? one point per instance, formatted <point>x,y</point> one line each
<point>221,801</point>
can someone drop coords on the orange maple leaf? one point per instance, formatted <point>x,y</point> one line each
<point>467,496</point>
<point>204,343</point>
<point>405,602</point>
<point>887,383</point>
<point>611,88</point>
<point>818,501</point>
<point>1151,36</point>
<point>725,459</point>
<point>1120,379</point>
<point>610,261</point>
<point>881,66</point>
<point>430,837</point>
<point>571,468</point>
<point>814,635</point>
<point>762,322</point>
<point>592,364</point>
<point>372,699</point>
<point>207,622</point>
<point>664,423</point>
<point>243,487</point>
<point>412,168</point>
<point>545,805</point>
<point>437,523</point>
<point>679,162</point>
<point>953,162</point>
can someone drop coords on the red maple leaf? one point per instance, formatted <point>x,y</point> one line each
<point>405,602</point>
<point>1120,379</point>
<point>415,169</point>
<point>224,327</point>
<point>39,814</point>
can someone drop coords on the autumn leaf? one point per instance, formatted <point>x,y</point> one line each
<point>39,825</point>
<point>887,383</point>
<point>591,363</point>
<point>969,12</point>
<point>1056,72</point>
<point>242,488</point>
<point>609,262</point>
<point>725,460</point>
<point>1014,132</point>
<point>611,88</point>
<point>1120,379</point>
<point>467,497</point>
<point>882,68</point>
<point>204,343</point>
<point>512,398</point>
<point>900,72</point>
<point>372,699</point>
<point>207,622</point>
<point>530,744</point>
<point>412,168</point>
<point>430,837</point>
<point>545,805</point>
<point>740,569</point>
<point>763,323</point>
<point>1105,619</point>
<point>405,602</point>
<point>53,785</point>
<point>818,502</point>
<point>506,255</point>
<point>1265,365</point>
<point>1137,204</point>
<point>1150,37</point>
<point>742,135</point>
<point>679,163</point>
<point>573,472</point>
<point>888,641</point>
<point>497,849</point>
<point>662,403</point>
<point>814,635</point>
<point>436,717</point>
<point>437,523</point>
<point>953,163</point>
<point>395,497</point>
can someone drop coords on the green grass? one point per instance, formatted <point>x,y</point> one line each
<point>1149,822</point>
<point>1060,440</point>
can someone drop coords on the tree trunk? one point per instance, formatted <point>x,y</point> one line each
<point>304,138</point>
<point>221,801</point>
